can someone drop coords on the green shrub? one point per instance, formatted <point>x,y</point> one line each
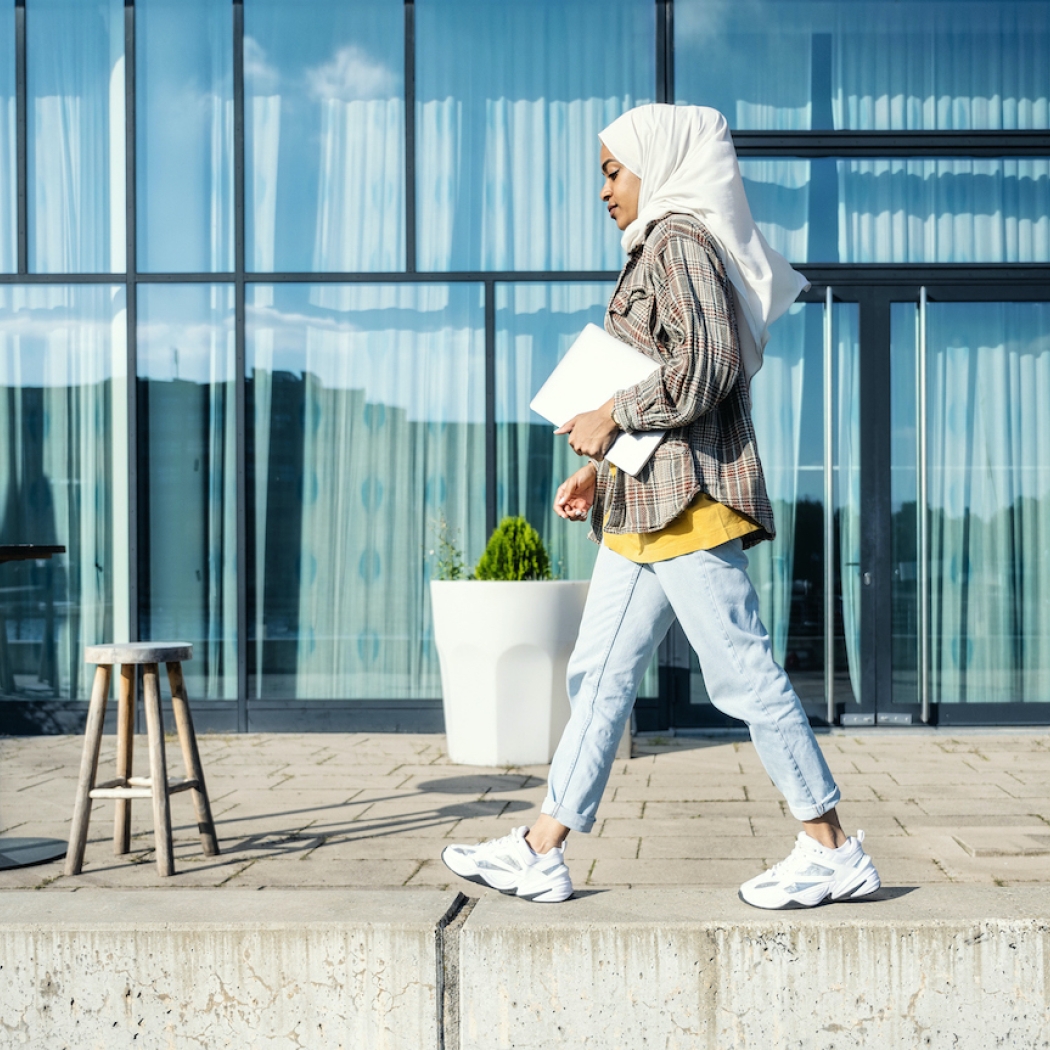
<point>448,558</point>
<point>515,551</point>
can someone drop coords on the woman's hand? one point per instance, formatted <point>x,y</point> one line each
<point>591,433</point>
<point>576,495</point>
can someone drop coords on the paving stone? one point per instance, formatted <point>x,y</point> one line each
<point>708,847</point>
<point>664,872</point>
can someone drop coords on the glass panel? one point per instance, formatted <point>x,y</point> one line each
<point>324,135</point>
<point>367,429</point>
<point>988,403</point>
<point>933,65</point>
<point>63,480</point>
<point>8,145</point>
<point>788,573</point>
<point>903,210</point>
<point>184,123</point>
<point>535,325</point>
<point>75,71</point>
<point>188,478</point>
<point>507,161</point>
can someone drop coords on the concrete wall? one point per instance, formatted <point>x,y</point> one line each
<point>954,967</point>
<point>315,969</point>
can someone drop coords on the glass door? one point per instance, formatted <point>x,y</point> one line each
<point>971,508</point>
<point>806,409</point>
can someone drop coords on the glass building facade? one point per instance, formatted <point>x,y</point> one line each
<point>279,278</point>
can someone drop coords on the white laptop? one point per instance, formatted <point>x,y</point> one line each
<point>596,367</point>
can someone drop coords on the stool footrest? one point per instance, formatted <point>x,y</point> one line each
<point>139,787</point>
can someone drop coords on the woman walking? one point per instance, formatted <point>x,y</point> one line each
<point>697,294</point>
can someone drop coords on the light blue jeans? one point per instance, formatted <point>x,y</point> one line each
<point>629,609</point>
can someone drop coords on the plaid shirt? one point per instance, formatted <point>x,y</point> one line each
<point>673,303</point>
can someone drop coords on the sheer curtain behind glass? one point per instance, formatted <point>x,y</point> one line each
<point>510,100</point>
<point>188,478</point>
<point>184,117</point>
<point>8,134</point>
<point>324,135</point>
<point>988,367</point>
<point>75,115</point>
<point>535,325</point>
<point>367,409</point>
<point>63,480</point>
<point>857,65</point>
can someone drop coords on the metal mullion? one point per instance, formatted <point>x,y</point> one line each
<point>829,512</point>
<point>922,512</point>
<point>491,477</point>
<point>918,144</point>
<point>410,136</point>
<point>433,277</point>
<point>22,131</point>
<point>240,382</point>
<point>131,305</point>
<point>664,51</point>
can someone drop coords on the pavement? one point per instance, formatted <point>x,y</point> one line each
<point>373,811</point>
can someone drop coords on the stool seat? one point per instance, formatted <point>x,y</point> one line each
<point>157,787</point>
<point>139,653</point>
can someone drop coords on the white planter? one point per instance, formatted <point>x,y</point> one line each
<point>504,648</point>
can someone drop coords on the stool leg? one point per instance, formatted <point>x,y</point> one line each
<point>88,770</point>
<point>125,740</point>
<point>158,770</point>
<point>191,756</point>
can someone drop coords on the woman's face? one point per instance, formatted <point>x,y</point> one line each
<point>619,190</point>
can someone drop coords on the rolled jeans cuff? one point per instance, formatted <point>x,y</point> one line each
<point>818,809</point>
<point>570,819</point>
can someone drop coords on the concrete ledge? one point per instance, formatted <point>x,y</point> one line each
<point>234,968</point>
<point>960,967</point>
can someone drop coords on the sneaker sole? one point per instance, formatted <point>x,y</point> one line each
<point>540,897</point>
<point>866,889</point>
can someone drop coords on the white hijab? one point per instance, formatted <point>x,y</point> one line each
<point>685,158</point>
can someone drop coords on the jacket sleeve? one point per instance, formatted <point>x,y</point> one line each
<point>694,326</point>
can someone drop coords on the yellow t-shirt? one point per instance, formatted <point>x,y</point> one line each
<point>704,524</point>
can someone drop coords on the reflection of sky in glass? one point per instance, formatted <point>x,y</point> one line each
<point>184,115</point>
<point>324,128</point>
<point>8,185</point>
<point>869,65</point>
<point>948,210</point>
<point>510,100</point>
<point>535,326</point>
<point>61,335</point>
<point>382,339</point>
<point>76,144</point>
<point>186,332</point>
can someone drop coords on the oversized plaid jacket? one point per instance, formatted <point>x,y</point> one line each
<point>673,302</point>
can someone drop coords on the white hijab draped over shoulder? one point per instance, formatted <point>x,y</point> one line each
<point>685,159</point>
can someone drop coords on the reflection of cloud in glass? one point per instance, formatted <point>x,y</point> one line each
<point>259,73</point>
<point>352,74</point>
<point>432,371</point>
<point>197,353</point>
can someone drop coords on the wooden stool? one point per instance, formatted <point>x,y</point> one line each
<point>125,787</point>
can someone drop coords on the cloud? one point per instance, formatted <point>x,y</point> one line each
<point>352,74</point>
<point>260,74</point>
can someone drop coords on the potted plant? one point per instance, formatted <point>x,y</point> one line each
<point>504,636</point>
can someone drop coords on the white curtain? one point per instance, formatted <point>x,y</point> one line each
<point>391,432</point>
<point>507,163</point>
<point>989,501</point>
<point>535,325</point>
<point>325,133</point>
<point>186,360</point>
<point>8,145</point>
<point>185,135</point>
<point>847,487</point>
<point>941,66</point>
<point>75,70</point>
<point>951,211</point>
<point>776,394</point>
<point>63,478</point>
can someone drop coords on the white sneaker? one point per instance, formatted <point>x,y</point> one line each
<point>812,873</point>
<point>511,866</point>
